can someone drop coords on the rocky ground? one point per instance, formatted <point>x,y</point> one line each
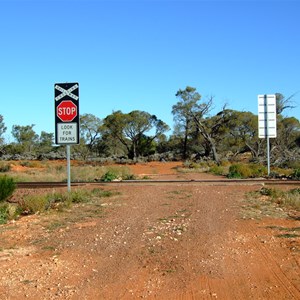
<point>155,241</point>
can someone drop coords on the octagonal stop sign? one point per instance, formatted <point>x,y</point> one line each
<point>66,111</point>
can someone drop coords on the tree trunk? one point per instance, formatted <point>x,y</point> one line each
<point>134,150</point>
<point>215,154</point>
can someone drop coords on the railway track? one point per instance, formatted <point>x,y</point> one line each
<point>36,185</point>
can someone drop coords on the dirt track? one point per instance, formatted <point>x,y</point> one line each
<point>165,242</point>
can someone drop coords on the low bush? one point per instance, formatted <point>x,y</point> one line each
<point>80,196</point>
<point>238,171</point>
<point>217,170</point>
<point>286,199</point>
<point>246,171</point>
<point>296,174</point>
<point>32,204</point>
<point>273,193</point>
<point>109,176</point>
<point>7,187</point>
<point>3,214</point>
<point>129,177</point>
<point>5,167</point>
<point>9,211</point>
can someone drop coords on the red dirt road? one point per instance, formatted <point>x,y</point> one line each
<point>173,241</point>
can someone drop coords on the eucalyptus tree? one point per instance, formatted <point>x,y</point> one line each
<point>130,129</point>
<point>283,103</point>
<point>25,136</point>
<point>194,115</point>
<point>187,99</point>
<point>90,130</point>
<point>242,134</point>
<point>45,142</point>
<point>285,147</point>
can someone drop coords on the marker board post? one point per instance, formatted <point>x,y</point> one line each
<point>267,126</point>
<point>66,102</point>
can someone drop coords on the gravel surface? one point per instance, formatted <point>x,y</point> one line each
<point>173,241</point>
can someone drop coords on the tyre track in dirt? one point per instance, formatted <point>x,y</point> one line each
<point>174,241</point>
<point>275,270</point>
<point>251,270</point>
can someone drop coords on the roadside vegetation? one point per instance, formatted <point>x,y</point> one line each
<point>44,202</point>
<point>238,170</point>
<point>81,171</point>
<point>272,202</point>
<point>34,171</point>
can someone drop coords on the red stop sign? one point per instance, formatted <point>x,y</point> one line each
<point>66,110</point>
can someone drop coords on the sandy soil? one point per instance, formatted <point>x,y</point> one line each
<point>155,241</point>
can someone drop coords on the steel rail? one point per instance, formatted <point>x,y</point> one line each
<point>36,185</point>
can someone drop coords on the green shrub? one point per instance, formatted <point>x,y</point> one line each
<point>246,171</point>
<point>9,211</point>
<point>217,170</point>
<point>3,213</point>
<point>285,199</point>
<point>32,204</point>
<point>109,176</point>
<point>80,196</point>
<point>238,171</point>
<point>7,187</point>
<point>296,174</point>
<point>129,177</point>
<point>273,193</point>
<point>295,191</point>
<point>58,200</point>
<point>258,170</point>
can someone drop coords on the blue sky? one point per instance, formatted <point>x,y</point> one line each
<point>135,55</point>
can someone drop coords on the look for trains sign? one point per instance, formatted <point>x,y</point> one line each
<point>66,97</point>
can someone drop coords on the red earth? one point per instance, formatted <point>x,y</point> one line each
<point>154,240</point>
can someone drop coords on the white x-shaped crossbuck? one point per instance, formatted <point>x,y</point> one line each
<point>67,92</point>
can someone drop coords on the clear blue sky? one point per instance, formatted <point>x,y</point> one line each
<point>135,55</point>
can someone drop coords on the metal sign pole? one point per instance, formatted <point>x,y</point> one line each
<point>268,154</point>
<point>267,132</point>
<point>69,167</point>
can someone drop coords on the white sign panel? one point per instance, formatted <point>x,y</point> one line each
<point>67,133</point>
<point>267,126</point>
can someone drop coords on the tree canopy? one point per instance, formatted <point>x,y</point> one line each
<point>197,133</point>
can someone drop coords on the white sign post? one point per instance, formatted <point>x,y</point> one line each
<point>267,127</point>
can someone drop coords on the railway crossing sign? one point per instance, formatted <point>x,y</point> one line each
<point>66,96</point>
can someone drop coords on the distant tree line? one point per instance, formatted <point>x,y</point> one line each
<point>197,134</point>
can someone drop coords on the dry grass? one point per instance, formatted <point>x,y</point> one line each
<point>269,202</point>
<point>57,172</point>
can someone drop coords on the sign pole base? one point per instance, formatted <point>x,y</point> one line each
<point>69,167</point>
<point>268,154</point>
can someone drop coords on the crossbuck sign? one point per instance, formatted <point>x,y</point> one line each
<point>66,96</point>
